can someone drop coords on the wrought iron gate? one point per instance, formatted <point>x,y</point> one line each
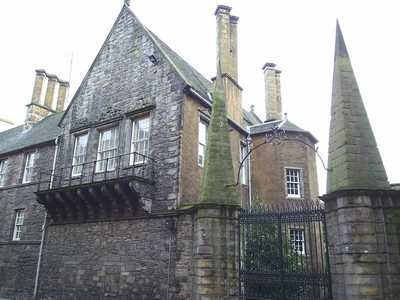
<point>284,253</point>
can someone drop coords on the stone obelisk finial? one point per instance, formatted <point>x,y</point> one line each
<point>354,158</point>
<point>218,167</point>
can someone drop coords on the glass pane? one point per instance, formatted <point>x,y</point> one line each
<point>202,133</point>
<point>140,140</point>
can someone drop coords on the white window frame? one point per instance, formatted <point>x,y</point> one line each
<point>140,144</point>
<point>79,156</point>
<point>110,152</point>
<point>244,171</point>
<point>18,224</point>
<point>297,240</point>
<point>202,144</point>
<point>3,172</point>
<point>291,183</point>
<point>29,166</point>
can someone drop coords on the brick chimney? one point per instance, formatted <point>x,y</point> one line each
<point>273,101</point>
<point>227,60</point>
<point>48,96</point>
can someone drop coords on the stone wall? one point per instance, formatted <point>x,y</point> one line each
<point>121,85</point>
<point>127,259</point>
<point>268,164</point>
<point>191,172</point>
<point>363,236</point>
<point>18,259</point>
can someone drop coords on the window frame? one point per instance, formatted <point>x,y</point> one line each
<point>19,218</point>
<point>201,145</point>
<point>295,242</point>
<point>299,195</point>
<point>135,141</point>
<point>30,157</point>
<point>3,171</point>
<point>244,171</point>
<point>111,159</point>
<point>74,165</point>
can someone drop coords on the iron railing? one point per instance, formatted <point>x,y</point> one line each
<point>132,164</point>
<point>284,253</point>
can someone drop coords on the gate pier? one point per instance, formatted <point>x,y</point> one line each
<point>363,232</point>
<point>363,244</point>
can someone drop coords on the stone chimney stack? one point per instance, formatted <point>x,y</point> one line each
<point>52,90</point>
<point>227,41</point>
<point>62,94</point>
<point>227,60</point>
<point>48,96</point>
<point>273,100</point>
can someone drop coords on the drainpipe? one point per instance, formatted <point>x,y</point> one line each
<point>44,226</point>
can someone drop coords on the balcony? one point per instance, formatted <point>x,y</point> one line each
<point>114,187</point>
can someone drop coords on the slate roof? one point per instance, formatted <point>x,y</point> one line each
<point>192,77</point>
<point>250,117</point>
<point>17,138</point>
<point>284,125</point>
<point>189,74</point>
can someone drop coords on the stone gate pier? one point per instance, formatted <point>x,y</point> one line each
<point>363,223</point>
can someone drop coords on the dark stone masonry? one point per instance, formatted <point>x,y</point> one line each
<point>94,205</point>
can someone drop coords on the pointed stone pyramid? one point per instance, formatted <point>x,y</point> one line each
<point>218,167</point>
<point>354,160</point>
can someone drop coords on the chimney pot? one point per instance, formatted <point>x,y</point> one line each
<point>234,19</point>
<point>268,66</point>
<point>223,9</point>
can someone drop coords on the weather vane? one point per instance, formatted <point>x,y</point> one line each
<point>127,2</point>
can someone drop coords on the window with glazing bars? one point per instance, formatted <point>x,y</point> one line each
<point>297,241</point>
<point>140,140</point>
<point>79,154</point>
<point>202,143</point>
<point>29,167</point>
<point>3,170</point>
<point>18,224</point>
<point>293,182</point>
<point>108,145</point>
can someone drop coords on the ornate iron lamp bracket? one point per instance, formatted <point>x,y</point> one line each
<point>275,137</point>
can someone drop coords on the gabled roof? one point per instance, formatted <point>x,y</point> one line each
<point>285,125</point>
<point>19,138</point>
<point>188,74</point>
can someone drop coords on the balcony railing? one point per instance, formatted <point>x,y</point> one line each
<point>135,165</point>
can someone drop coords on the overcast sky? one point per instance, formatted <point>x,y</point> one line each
<point>296,35</point>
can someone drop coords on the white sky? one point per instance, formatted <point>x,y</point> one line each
<point>296,35</point>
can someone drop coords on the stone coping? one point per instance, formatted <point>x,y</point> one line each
<point>360,192</point>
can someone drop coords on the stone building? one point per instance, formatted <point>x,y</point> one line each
<point>97,201</point>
